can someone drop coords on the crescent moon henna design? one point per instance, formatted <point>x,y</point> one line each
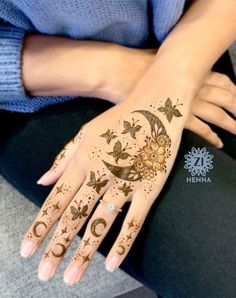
<point>149,159</point>
<point>60,254</point>
<point>122,251</point>
<point>94,225</point>
<point>38,223</point>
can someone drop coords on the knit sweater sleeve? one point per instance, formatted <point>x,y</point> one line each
<point>11,43</point>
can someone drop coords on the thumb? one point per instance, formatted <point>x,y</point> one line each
<point>62,159</point>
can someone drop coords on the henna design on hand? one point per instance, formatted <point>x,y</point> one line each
<point>86,242</point>
<point>38,223</point>
<point>94,224</point>
<point>109,135</point>
<point>63,250</point>
<point>118,152</point>
<point>131,128</point>
<point>149,159</point>
<point>125,188</point>
<point>97,184</point>
<point>63,189</point>
<point>170,110</point>
<point>79,212</point>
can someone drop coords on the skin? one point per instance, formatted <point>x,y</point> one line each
<point>151,149</point>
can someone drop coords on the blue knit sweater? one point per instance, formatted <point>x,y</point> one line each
<point>126,22</point>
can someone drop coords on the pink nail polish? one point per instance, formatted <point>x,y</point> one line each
<point>44,178</point>
<point>112,263</point>
<point>45,271</point>
<point>27,248</point>
<point>72,275</point>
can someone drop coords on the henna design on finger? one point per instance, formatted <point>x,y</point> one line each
<point>131,128</point>
<point>170,110</point>
<point>125,188</point>
<point>63,189</point>
<point>124,242</point>
<point>67,239</point>
<point>86,242</point>
<point>60,254</point>
<point>97,184</point>
<point>45,212</point>
<point>38,223</point>
<point>79,212</point>
<point>46,255</point>
<point>149,159</point>
<point>56,206</point>
<point>109,135</point>
<point>86,258</point>
<point>64,231</point>
<point>94,224</point>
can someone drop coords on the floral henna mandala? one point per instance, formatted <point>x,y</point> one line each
<point>149,159</point>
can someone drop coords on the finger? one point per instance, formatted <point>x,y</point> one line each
<point>96,230</point>
<point>200,128</point>
<point>220,80</point>
<point>53,207</point>
<point>131,226</point>
<point>63,158</point>
<point>214,115</point>
<point>69,225</point>
<point>224,98</point>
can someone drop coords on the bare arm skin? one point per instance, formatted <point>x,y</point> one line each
<point>53,65</point>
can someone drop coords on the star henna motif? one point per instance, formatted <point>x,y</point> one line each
<point>131,224</point>
<point>62,155</point>
<point>128,237</point>
<point>46,255</point>
<point>56,206</point>
<point>86,258</point>
<point>86,242</point>
<point>59,189</point>
<point>45,212</point>
<point>63,231</point>
<point>67,239</point>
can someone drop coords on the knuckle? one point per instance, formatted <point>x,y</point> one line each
<point>206,131</point>
<point>226,82</point>
<point>220,115</point>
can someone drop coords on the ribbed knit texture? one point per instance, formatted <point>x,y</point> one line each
<point>120,21</point>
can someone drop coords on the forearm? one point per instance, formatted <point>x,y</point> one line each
<point>53,65</point>
<point>205,31</point>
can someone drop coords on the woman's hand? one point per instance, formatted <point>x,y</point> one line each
<point>217,94</point>
<point>124,154</point>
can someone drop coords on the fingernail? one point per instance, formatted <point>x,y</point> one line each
<point>45,271</point>
<point>220,144</point>
<point>44,178</point>
<point>27,248</point>
<point>72,275</point>
<point>112,264</point>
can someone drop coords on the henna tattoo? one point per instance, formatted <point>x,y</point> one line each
<point>85,258</point>
<point>109,135</point>
<point>94,224</point>
<point>131,128</point>
<point>122,249</point>
<point>149,159</point>
<point>38,223</point>
<point>63,231</point>
<point>124,243</point>
<point>97,184</point>
<point>170,110</point>
<point>67,239</point>
<point>60,254</point>
<point>79,212</point>
<point>118,152</point>
<point>45,212</point>
<point>125,189</point>
<point>131,224</point>
<point>62,189</point>
<point>56,206</point>
<point>86,242</point>
<point>46,255</point>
